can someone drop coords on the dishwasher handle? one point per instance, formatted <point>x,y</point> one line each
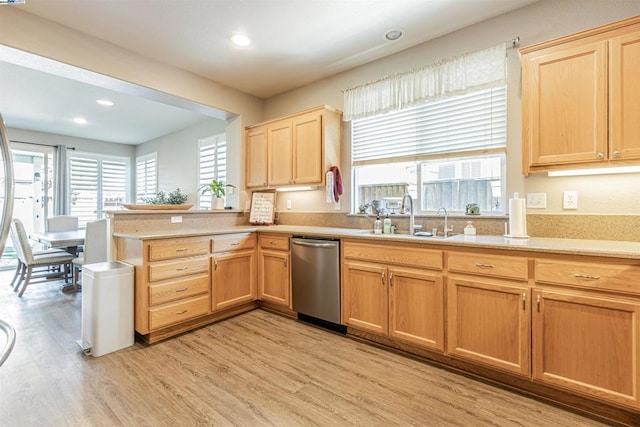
<point>314,245</point>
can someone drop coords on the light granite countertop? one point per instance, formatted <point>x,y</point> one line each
<point>602,248</point>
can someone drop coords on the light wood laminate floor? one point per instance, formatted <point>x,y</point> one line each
<point>257,369</point>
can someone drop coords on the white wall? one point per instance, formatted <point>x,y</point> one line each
<point>178,159</point>
<point>80,144</point>
<point>535,23</point>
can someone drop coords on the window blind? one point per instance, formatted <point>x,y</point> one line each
<point>212,164</point>
<point>146,177</point>
<point>84,180</point>
<point>473,122</point>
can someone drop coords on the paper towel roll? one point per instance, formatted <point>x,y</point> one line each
<point>517,217</point>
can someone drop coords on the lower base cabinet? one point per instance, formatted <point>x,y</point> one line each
<point>274,272</point>
<point>489,322</point>
<point>588,343</point>
<point>405,303</point>
<point>233,279</point>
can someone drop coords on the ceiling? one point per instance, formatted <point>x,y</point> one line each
<point>295,42</point>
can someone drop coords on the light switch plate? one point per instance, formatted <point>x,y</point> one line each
<point>176,219</point>
<point>570,200</point>
<point>536,200</point>
<point>288,204</point>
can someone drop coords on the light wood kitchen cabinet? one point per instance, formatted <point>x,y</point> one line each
<point>274,271</point>
<point>300,148</point>
<point>172,280</point>
<point>280,154</point>
<point>579,99</point>
<point>489,317</point>
<point>234,273</point>
<point>256,157</point>
<point>588,343</point>
<point>394,291</point>
<point>585,328</point>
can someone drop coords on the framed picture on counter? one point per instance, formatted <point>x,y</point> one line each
<point>263,207</point>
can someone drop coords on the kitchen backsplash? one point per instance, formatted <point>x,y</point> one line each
<point>592,227</point>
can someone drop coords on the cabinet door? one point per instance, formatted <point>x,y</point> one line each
<point>365,297</point>
<point>565,105</point>
<point>256,157</point>
<point>416,312</point>
<point>624,106</point>
<point>307,149</point>
<point>280,152</point>
<point>273,273</point>
<point>233,279</point>
<point>489,322</point>
<point>588,344</point>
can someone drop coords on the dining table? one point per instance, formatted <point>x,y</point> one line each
<point>67,240</point>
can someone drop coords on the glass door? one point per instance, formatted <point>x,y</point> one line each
<point>33,194</point>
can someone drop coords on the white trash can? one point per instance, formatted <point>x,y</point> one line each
<point>107,308</point>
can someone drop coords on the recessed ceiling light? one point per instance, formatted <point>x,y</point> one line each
<point>80,121</point>
<point>105,102</point>
<point>393,35</point>
<point>240,40</point>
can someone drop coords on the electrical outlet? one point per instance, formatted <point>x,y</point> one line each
<point>536,200</point>
<point>288,204</point>
<point>570,200</point>
<point>176,219</point>
<point>247,205</point>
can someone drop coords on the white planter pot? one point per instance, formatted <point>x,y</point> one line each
<point>217,203</point>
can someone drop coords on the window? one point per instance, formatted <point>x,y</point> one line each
<point>146,176</point>
<point>446,153</point>
<point>97,183</point>
<point>212,163</point>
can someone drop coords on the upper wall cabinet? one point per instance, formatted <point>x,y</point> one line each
<point>580,99</point>
<point>293,150</point>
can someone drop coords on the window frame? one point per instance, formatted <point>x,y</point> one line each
<point>150,188</point>
<point>217,140</point>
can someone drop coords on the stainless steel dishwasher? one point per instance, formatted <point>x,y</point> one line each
<point>315,274</point>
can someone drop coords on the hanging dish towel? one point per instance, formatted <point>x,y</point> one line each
<point>337,185</point>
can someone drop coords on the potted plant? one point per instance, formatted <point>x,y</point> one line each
<point>217,188</point>
<point>162,198</point>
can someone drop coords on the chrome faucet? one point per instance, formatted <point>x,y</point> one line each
<point>447,230</point>
<point>412,221</point>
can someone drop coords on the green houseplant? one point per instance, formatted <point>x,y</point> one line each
<point>217,189</point>
<point>175,197</point>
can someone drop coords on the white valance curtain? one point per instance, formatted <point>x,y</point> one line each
<point>457,75</point>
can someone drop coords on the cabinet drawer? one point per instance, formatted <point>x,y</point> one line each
<point>489,265</point>
<point>178,268</point>
<point>617,277</point>
<point>394,254</point>
<point>178,312</point>
<point>278,243</point>
<point>162,250</point>
<point>178,289</point>
<point>234,242</point>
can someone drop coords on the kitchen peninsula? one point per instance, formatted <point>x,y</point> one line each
<point>524,313</point>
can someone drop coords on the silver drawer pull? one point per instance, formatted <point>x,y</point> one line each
<point>484,265</point>
<point>181,311</point>
<point>182,268</point>
<point>181,289</point>
<point>273,243</point>
<point>182,249</point>
<point>585,276</point>
<point>234,243</point>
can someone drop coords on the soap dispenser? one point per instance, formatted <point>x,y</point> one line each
<point>469,230</point>
<point>377,226</point>
<point>387,225</point>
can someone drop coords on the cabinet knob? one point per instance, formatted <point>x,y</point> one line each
<point>616,153</point>
<point>600,155</point>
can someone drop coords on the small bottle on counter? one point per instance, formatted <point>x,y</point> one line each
<point>387,225</point>
<point>377,226</point>
<point>469,230</point>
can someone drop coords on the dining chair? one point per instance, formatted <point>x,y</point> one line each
<point>95,248</point>
<point>62,223</point>
<point>28,262</point>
